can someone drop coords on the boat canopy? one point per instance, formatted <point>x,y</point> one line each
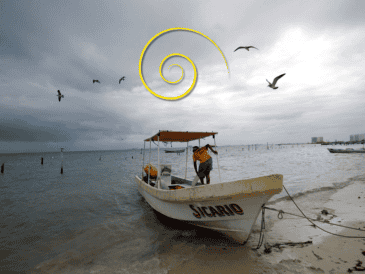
<point>179,136</point>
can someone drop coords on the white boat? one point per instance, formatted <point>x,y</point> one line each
<point>231,208</point>
<point>347,150</point>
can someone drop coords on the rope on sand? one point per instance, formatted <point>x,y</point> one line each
<point>261,239</point>
<point>309,219</point>
<point>281,212</point>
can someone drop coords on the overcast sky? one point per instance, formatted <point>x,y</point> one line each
<point>50,45</point>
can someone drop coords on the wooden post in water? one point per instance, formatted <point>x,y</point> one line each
<point>61,160</point>
<point>2,168</point>
<point>42,161</point>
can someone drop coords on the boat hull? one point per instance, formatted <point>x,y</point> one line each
<point>175,151</point>
<point>232,213</point>
<point>331,150</point>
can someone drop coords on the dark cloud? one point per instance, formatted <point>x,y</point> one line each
<point>50,44</point>
<point>27,126</point>
<point>26,131</point>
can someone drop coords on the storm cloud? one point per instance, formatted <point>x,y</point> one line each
<point>47,46</point>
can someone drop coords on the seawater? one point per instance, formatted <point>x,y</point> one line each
<point>92,219</point>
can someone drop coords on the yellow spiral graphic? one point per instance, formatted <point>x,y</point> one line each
<point>171,55</point>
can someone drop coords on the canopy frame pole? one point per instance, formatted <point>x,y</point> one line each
<point>219,171</point>
<point>144,148</point>
<point>163,157</point>
<point>149,165</point>
<point>158,161</point>
<point>187,151</point>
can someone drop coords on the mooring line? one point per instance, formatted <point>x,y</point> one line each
<point>345,236</point>
<point>281,212</point>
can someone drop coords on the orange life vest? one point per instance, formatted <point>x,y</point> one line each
<point>153,170</point>
<point>201,155</point>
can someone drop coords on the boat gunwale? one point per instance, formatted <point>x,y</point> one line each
<point>194,194</point>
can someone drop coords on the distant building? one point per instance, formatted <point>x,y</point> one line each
<point>357,137</point>
<point>317,139</point>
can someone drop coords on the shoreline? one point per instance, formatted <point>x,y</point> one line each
<point>327,253</point>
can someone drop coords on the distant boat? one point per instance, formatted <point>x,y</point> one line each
<point>347,150</point>
<point>174,151</point>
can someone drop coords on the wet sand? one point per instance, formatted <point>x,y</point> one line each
<point>326,254</point>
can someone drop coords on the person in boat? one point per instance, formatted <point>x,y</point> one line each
<point>206,162</point>
<point>153,172</point>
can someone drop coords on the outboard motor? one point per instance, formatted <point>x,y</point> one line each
<point>165,176</point>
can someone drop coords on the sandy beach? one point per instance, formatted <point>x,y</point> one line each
<point>326,254</point>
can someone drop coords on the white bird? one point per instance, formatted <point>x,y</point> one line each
<point>60,96</point>
<point>248,48</point>
<point>274,82</point>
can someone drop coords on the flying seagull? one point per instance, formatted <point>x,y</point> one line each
<point>96,81</point>
<point>121,79</point>
<point>248,48</point>
<point>60,96</point>
<point>275,81</point>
